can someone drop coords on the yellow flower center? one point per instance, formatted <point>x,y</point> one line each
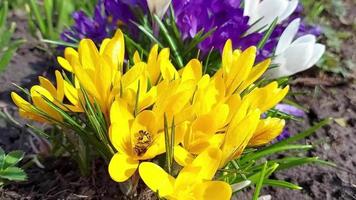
<point>144,140</point>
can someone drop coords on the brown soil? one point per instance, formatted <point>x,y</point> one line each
<point>324,96</point>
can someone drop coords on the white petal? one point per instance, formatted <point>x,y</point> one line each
<point>295,59</point>
<point>318,52</point>
<point>280,70</point>
<point>268,10</point>
<point>292,5</point>
<point>305,39</point>
<point>287,36</point>
<point>250,8</point>
<point>158,7</point>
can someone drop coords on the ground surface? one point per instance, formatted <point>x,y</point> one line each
<point>323,95</point>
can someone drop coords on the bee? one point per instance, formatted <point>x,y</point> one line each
<point>144,140</point>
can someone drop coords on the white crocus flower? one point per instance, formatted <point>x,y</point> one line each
<point>295,56</point>
<point>263,13</point>
<point>158,7</point>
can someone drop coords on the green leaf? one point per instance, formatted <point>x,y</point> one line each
<point>197,39</point>
<point>48,6</point>
<point>270,151</point>
<point>267,34</point>
<point>3,13</point>
<point>2,157</point>
<point>65,8</point>
<point>173,22</point>
<point>302,135</point>
<point>6,57</point>
<point>60,43</point>
<point>260,182</point>
<point>171,41</point>
<point>282,184</point>
<point>13,174</point>
<point>38,16</point>
<point>6,36</point>
<point>148,33</point>
<point>290,162</point>
<point>130,41</point>
<point>12,158</point>
<point>167,145</point>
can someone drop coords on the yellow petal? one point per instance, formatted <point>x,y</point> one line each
<point>20,102</point>
<point>244,65</point>
<point>156,178</point>
<point>115,49</point>
<point>86,81</point>
<point>147,99</point>
<point>146,121</point>
<point>37,94</point>
<point>212,190</point>
<point>71,93</point>
<point>168,71</point>
<point>152,65</point>
<point>65,64</point>
<point>45,83</point>
<point>122,167</point>
<point>103,45</point>
<point>133,75</point>
<point>266,131</point>
<point>158,147</point>
<point>121,138</point>
<point>227,57</point>
<point>182,156</point>
<point>234,102</point>
<point>60,86</point>
<point>71,55</point>
<point>266,97</point>
<point>204,124</point>
<point>209,162</point>
<point>119,112</point>
<point>88,54</point>
<point>31,116</point>
<point>136,57</point>
<point>238,136</point>
<point>192,71</point>
<point>255,73</point>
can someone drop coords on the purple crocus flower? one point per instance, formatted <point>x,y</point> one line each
<point>291,110</point>
<point>225,15</point>
<point>108,16</point>
<point>284,135</point>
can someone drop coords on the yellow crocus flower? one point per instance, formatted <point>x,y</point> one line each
<point>96,70</point>
<point>238,70</point>
<point>136,138</point>
<point>266,131</point>
<point>194,182</point>
<point>266,97</point>
<point>238,135</point>
<point>45,90</point>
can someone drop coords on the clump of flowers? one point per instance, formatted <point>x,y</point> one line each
<point>133,112</point>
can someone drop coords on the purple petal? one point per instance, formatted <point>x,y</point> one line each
<point>291,110</point>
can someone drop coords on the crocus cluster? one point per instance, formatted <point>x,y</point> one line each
<point>151,108</point>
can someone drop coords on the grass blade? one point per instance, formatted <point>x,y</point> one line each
<point>282,184</point>
<point>170,40</point>
<point>260,182</point>
<point>267,34</point>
